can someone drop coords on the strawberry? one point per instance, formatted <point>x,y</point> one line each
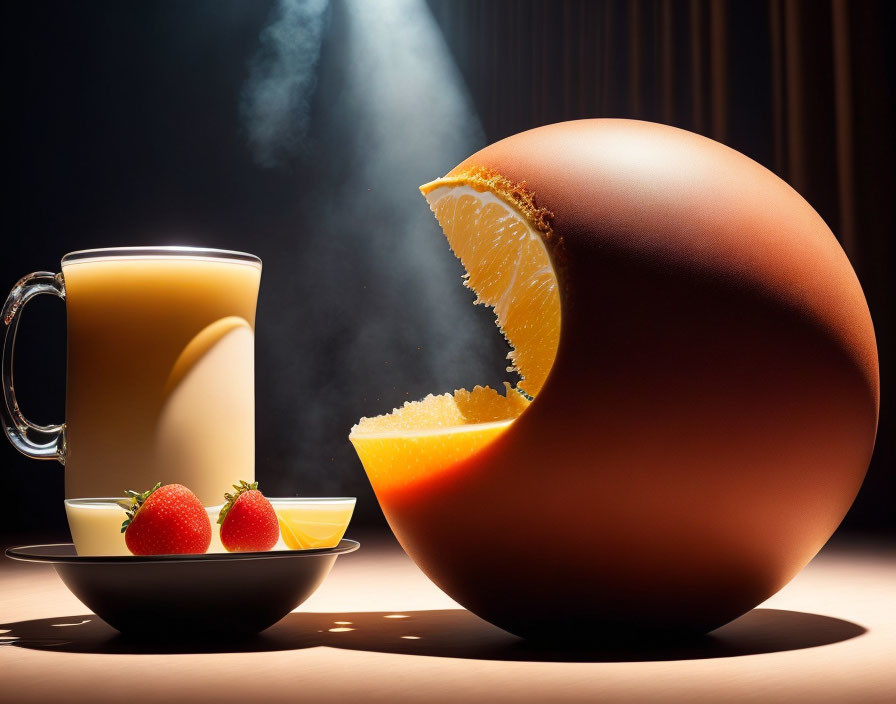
<point>166,520</point>
<point>248,521</point>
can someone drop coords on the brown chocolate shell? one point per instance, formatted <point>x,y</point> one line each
<point>710,414</point>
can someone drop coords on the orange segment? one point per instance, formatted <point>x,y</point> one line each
<point>399,459</point>
<point>311,525</point>
<point>509,269</point>
<point>424,436</point>
<point>482,405</point>
<point>502,247</point>
<point>290,537</point>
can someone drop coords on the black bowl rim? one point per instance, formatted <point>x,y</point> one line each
<point>26,553</point>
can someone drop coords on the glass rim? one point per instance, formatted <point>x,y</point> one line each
<point>312,499</point>
<point>112,500</point>
<point>104,500</point>
<point>165,251</point>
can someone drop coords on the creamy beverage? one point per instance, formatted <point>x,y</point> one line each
<point>95,525</point>
<point>160,374</point>
<point>160,378</point>
<point>213,512</point>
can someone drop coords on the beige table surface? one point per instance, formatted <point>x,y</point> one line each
<point>829,636</point>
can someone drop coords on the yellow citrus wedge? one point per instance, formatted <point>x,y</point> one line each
<point>313,523</point>
<point>310,534</point>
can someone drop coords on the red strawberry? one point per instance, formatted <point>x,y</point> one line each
<point>248,521</point>
<point>166,521</point>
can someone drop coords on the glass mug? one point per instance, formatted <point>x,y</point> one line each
<point>160,373</point>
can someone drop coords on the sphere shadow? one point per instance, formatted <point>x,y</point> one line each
<point>450,633</point>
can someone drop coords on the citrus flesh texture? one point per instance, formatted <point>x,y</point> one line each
<point>305,527</point>
<point>509,268</point>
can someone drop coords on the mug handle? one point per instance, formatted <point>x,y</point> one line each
<point>15,424</point>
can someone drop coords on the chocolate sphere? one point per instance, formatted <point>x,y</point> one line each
<point>710,413</point>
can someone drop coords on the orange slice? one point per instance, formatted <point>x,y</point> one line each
<point>499,237</point>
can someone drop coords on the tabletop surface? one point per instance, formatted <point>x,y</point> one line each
<point>378,630</point>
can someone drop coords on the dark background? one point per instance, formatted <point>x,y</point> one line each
<point>134,123</point>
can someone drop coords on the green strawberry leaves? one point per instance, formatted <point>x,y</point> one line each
<point>133,503</point>
<point>230,499</point>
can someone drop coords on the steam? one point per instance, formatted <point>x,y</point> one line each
<point>276,100</point>
<point>371,312</point>
<point>416,122</point>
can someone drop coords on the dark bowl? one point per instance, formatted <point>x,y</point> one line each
<point>231,594</point>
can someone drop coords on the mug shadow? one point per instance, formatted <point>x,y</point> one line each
<point>450,633</point>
